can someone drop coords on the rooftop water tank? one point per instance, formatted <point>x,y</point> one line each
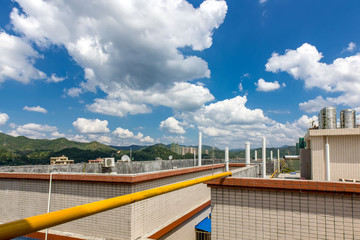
<point>347,118</point>
<point>327,118</point>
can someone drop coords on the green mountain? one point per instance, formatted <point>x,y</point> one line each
<point>23,150</point>
<point>152,152</point>
<point>24,144</point>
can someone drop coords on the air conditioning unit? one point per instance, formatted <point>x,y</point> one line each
<point>109,162</point>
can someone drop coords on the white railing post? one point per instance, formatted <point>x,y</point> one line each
<point>247,153</point>
<point>226,159</point>
<point>200,146</point>
<point>264,157</point>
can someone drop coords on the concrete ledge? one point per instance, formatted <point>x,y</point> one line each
<point>116,178</point>
<point>292,185</point>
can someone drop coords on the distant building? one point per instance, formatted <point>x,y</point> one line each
<point>98,160</point>
<point>185,150</point>
<point>176,148</point>
<point>60,160</point>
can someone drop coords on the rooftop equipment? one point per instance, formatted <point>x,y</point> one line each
<point>327,118</point>
<point>347,118</point>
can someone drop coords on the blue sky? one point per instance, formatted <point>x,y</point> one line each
<point>144,72</point>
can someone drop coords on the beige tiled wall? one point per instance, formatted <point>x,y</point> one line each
<point>263,214</point>
<point>24,198</point>
<point>158,212</point>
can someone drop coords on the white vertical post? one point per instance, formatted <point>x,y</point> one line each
<point>327,159</point>
<point>272,158</point>
<point>247,153</point>
<point>195,157</point>
<point>226,159</point>
<point>278,160</point>
<point>264,156</point>
<point>49,202</point>
<point>200,145</point>
<point>255,156</point>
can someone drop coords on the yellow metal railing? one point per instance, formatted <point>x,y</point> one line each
<point>47,220</point>
<point>272,176</point>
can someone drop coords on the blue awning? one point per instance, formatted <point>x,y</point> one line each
<point>204,225</point>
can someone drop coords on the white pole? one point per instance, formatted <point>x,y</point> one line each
<point>247,153</point>
<point>264,157</point>
<point>226,159</point>
<point>255,155</point>
<point>49,201</point>
<point>271,159</point>
<point>195,157</point>
<point>278,160</point>
<point>200,145</point>
<point>327,159</point>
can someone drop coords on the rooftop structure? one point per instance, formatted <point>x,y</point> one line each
<point>60,160</point>
<point>343,160</point>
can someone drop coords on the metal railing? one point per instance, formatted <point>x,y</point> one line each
<point>47,220</point>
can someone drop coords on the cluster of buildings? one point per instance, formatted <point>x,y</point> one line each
<point>182,150</point>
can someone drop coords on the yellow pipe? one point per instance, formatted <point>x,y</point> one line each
<point>273,174</point>
<point>47,220</point>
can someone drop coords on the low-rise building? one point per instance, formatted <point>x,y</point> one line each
<point>60,160</point>
<point>343,158</point>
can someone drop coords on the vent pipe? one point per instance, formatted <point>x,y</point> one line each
<point>226,159</point>
<point>327,159</point>
<point>247,153</point>
<point>200,145</point>
<point>278,160</point>
<point>264,157</point>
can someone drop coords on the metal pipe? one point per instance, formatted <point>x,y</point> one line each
<point>247,153</point>
<point>200,145</point>
<point>226,159</point>
<point>272,175</point>
<point>327,159</point>
<point>264,157</point>
<point>32,224</point>
<point>194,157</point>
<point>255,155</point>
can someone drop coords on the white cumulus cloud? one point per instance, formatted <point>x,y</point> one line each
<point>16,60</point>
<point>3,118</point>
<point>91,126</point>
<point>172,125</point>
<point>54,78</point>
<point>351,47</point>
<point>132,45</point>
<point>35,109</point>
<point>34,130</point>
<point>127,137</point>
<point>341,76</point>
<point>182,96</point>
<point>123,133</point>
<point>264,86</point>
